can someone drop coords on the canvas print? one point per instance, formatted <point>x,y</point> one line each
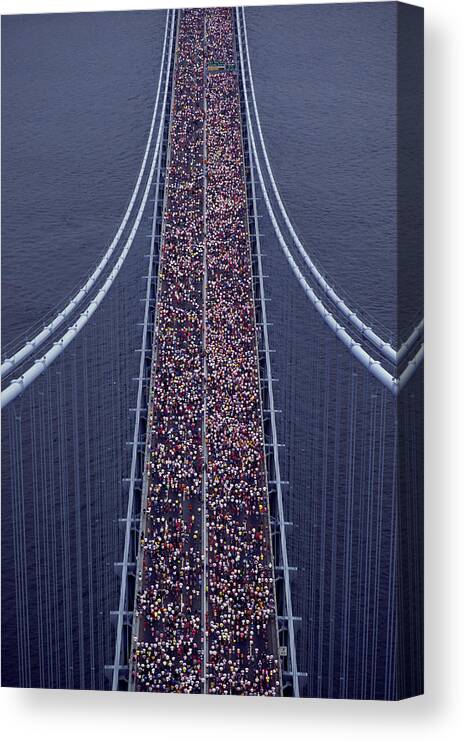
<point>212,351</point>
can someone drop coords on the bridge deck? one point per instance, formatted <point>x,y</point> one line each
<point>205,617</point>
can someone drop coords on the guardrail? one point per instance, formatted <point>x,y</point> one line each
<point>120,668</point>
<point>285,618</point>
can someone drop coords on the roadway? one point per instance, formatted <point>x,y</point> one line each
<point>205,618</point>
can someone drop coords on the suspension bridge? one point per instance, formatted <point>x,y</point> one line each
<point>203,585</point>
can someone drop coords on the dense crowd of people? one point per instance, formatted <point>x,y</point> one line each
<point>242,619</point>
<point>240,616</point>
<point>166,653</point>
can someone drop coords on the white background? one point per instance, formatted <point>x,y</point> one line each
<point>76,715</point>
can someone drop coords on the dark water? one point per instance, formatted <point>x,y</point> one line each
<point>77,97</point>
<point>78,92</point>
<point>326,84</point>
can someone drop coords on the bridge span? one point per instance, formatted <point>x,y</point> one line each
<point>207,615</point>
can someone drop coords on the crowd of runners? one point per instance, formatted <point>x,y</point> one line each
<point>242,618</point>
<point>166,653</point>
<point>226,644</point>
